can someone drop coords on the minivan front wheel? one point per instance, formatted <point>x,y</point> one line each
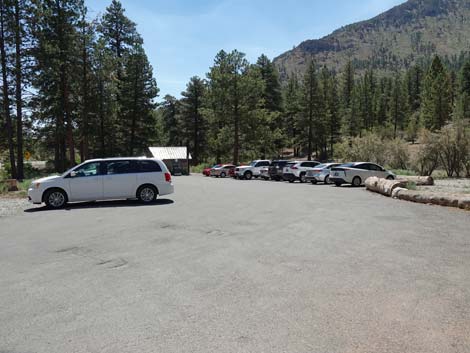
<point>55,198</point>
<point>147,194</point>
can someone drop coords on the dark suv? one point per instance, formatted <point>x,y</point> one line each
<point>275,169</point>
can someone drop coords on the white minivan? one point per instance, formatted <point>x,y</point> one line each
<point>104,179</point>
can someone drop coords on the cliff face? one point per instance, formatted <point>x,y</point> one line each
<point>393,40</point>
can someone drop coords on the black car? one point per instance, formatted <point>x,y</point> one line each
<point>275,169</point>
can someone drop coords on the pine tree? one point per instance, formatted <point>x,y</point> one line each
<point>5,36</point>
<point>291,99</point>
<point>192,119</point>
<point>56,66</point>
<point>272,88</point>
<point>169,110</point>
<point>398,111</point>
<point>311,111</point>
<point>462,108</point>
<point>347,85</point>
<point>436,96</point>
<point>139,90</point>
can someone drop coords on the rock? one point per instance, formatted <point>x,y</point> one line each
<point>418,180</point>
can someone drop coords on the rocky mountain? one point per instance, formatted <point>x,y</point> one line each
<point>399,37</point>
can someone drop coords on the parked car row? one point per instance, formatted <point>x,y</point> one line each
<point>303,171</point>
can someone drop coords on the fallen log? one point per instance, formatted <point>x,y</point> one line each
<point>384,186</point>
<point>435,198</point>
<point>418,180</point>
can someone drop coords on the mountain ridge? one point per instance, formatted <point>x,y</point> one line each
<point>394,39</point>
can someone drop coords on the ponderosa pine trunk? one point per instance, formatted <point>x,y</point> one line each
<point>6,92</point>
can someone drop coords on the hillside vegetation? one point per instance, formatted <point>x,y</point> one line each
<point>405,35</point>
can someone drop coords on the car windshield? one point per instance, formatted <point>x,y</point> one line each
<point>321,166</point>
<point>252,164</point>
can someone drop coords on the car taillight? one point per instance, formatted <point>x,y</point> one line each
<point>168,177</point>
<point>294,167</point>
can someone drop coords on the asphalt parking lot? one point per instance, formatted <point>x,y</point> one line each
<point>237,266</point>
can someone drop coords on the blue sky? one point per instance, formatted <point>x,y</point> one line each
<point>181,37</point>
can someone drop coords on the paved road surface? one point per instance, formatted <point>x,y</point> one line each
<point>237,266</point>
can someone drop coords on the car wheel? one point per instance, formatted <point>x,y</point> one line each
<point>248,175</point>
<point>390,177</point>
<point>55,198</point>
<point>327,179</point>
<point>222,175</point>
<point>356,181</point>
<point>302,177</point>
<point>338,184</point>
<point>147,194</point>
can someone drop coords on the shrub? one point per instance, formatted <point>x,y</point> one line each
<point>454,141</point>
<point>373,148</point>
<point>397,154</point>
<point>426,160</point>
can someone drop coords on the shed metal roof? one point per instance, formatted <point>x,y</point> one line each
<point>169,152</point>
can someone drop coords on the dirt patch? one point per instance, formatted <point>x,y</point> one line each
<point>10,206</point>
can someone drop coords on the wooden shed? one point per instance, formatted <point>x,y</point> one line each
<point>176,158</point>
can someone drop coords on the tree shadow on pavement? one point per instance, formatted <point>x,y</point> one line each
<point>103,204</point>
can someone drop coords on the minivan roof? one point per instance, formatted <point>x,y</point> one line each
<point>119,159</point>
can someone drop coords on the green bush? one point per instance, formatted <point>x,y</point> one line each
<point>197,169</point>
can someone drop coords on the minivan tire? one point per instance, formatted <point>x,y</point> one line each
<point>327,179</point>
<point>222,175</point>
<point>248,175</point>
<point>390,177</point>
<point>356,182</point>
<point>55,198</point>
<point>302,177</point>
<point>147,193</point>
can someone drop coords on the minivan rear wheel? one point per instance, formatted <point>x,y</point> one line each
<point>147,194</point>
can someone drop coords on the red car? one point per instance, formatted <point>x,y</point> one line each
<point>207,171</point>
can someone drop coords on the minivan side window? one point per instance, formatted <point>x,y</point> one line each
<point>148,167</point>
<point>119,167</point>
<point>89,169</point>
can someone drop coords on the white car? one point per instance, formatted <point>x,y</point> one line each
<point>321,173</point>
<point>298,170</point>
<point>104,179</point>
<point>252,170</point>
<point>357,173</point>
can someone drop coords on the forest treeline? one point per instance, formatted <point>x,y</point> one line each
<point>241,111</point>
<point>75,88</point>
<point>72,88</point>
